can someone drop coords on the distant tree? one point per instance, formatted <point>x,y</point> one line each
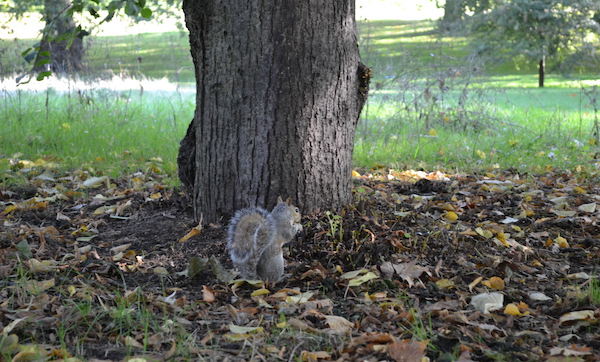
<point>538,29</point>
<point>455,11</point>
<point>61,47</point>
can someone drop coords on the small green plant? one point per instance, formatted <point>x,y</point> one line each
<point>422,330</point>
<point>594,291</point>
<point>335,226</point>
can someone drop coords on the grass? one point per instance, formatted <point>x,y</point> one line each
<point>474,120</point>
<point>110,132</point>
<point>433,106</point>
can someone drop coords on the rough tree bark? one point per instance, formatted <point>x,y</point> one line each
<point>64,57</point>
<point>280,87</point>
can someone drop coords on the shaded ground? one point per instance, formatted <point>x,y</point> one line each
<point>92,276</point>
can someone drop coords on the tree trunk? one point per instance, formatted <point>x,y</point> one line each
<point>60,30</point>
<point>453,11</point>
<point>542,72</point>
<point>280,87</point>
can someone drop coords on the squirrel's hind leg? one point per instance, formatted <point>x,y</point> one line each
<point>248,268</point>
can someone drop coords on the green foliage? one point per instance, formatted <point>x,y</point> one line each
<point>536,28</point>
<point>60,26</point>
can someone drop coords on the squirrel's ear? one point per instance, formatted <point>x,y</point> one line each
<point>289,201</point>
<point>279,199</point>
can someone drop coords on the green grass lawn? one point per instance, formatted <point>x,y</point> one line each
<point>431,106</point>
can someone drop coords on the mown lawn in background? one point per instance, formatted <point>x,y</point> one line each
<point>475,121</point>
<point>478,116</point>
<point>108,132</point>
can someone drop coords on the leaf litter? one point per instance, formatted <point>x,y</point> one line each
<point>419,267</point>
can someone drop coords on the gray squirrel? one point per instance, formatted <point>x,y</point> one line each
<point>255,238</point>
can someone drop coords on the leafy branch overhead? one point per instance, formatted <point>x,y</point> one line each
<point>60,49</point>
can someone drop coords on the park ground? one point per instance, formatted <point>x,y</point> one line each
<point>472,234</point>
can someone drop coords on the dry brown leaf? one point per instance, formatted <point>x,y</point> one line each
<point>208,295</point>
<point>408,350</point>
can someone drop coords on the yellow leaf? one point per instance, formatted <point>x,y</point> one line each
<point>355,174</point>
<point>261,291</point>
<point>579,191</point>
<point>512,309</point>
<point>433,132</point>
<point>363,279</point>
<point>485,233</point>
<point>494,283</point>
<point>474,283</point>
<point>445,284</point>
<point>105,210</point>
<point>281,325</point>
<point>562,242</point>
<point>314,356</point>
<point>44,266</point>
<point>195,231</point>
<point>300,298</point>
<point>501,236</point>
<point>10,208</point>
<point>451,216</point>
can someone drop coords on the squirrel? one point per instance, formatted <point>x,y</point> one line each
<point>255,238</point>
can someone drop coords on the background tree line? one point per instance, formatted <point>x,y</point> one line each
<point>563,32</point>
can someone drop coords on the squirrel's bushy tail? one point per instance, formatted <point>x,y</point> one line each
<point>245,229</point>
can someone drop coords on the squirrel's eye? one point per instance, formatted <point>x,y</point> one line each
<point>297,210</point>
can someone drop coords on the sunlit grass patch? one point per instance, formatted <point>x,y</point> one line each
<point>113,132</point>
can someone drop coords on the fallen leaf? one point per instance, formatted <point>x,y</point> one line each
<point>451,216</point>
<point>474,283</point>
<point>512,309</point>
<point>488,302</point>
<point>494,283</point>
<point>537,296</point>
<point>94,182</point>
<point>338,325</point>
<point>591,208</point>
<point>208,295</point>
<point>195,231</point>
<point>362,279</point>
<point>408,350</point>
<point>577,316</point>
